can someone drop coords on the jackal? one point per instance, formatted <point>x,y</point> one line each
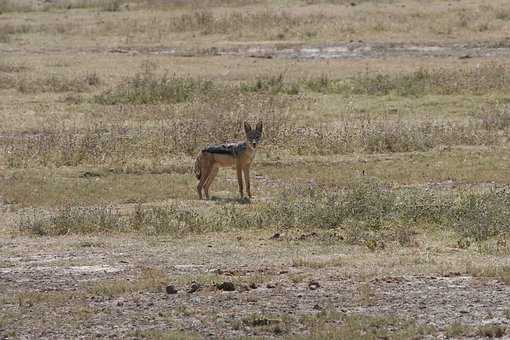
<point>239,155</point>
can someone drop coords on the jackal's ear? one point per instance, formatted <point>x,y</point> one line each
<point>259,127</point>
<point>247,127</point>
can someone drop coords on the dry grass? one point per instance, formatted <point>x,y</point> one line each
<point>150,279</point>
<point>266,21</point>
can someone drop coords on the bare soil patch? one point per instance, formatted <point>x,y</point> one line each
<point>80,288</point>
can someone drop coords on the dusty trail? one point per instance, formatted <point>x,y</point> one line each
<point>352,50</point>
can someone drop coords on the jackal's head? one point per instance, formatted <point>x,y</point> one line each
<point>253,137</point>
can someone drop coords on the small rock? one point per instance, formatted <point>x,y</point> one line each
<point>317,307</point>
<point>466,56</point>
<point>275,236</point>
<point>226,286</point>
<point>313,285</point>
<point>253,285</point>
<point>194,287</point>
<point>270,285</point>
<point>170,289</point>
<point>120,303</point>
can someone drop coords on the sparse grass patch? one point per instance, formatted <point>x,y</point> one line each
<point>29,299</point>
<point>456,330</point>
<point>157,334</point>
<point>500,272</point>
<point>188,129</point>
<point>150,279</point>
<point>367,213</point>
<point>10,67</point>
<point>276,325</point>
<point>486,78</point>
<point>7,6</point>
<point>58,83</point>
<point>482,215</point>
<point>238,24</point>
<point>71,220</point>
<point>356,326</point>
<point>316,264</point>
<point>492,330</point>
<point>169,220</point>
<point>148,88</point>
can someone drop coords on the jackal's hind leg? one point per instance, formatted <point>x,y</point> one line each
<point>209,180</point>
<point>204,174</point>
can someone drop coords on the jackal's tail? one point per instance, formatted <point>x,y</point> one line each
<point>196,169</point>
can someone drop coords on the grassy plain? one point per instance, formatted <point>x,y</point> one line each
<point>383,176</point>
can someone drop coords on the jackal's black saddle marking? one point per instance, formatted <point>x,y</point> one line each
<point>226,149</point>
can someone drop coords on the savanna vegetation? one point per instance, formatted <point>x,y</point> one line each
<point>378,169</point>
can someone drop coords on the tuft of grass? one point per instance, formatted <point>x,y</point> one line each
<point>148,88</point>
<point>164,335</point>
<point>58,83</point>
<point>458,330</point>
<point>272,84</point>
<point>71,220</point>
<point>495,271</point>
<point>492,331</point>
<point>356,326</point>
<point>10,67</point>
<point>150,279</point>
<point>168,220</point>
<point>481,215</point>
<point>33,298</point>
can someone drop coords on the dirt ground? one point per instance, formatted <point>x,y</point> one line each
<point>86,287</point>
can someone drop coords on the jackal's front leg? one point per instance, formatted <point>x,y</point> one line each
<point>240,179</point>
<point>246,172</point>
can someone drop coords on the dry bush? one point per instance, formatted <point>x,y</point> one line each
<point>186,130</point>
<point>197,124</point>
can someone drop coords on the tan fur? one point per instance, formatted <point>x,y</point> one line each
<point>207,165</point>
